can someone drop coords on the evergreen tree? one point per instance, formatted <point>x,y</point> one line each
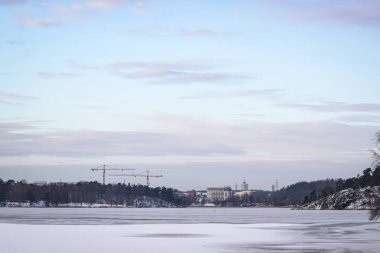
<point>375,214</point>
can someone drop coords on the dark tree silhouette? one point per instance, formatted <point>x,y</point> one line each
<point>375,214</point>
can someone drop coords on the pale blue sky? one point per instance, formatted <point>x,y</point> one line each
<point>204,92</point>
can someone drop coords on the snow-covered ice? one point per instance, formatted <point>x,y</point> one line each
<point>186,230</point>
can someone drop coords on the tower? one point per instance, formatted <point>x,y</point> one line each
<point>244,186</point>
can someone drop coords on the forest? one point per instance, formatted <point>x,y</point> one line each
<point>84,192</point>
<point>368,178</point>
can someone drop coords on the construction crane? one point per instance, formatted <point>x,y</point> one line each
<point>144,174</point>
<point>103,169</point>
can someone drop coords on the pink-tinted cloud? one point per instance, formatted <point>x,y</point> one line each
<point>170,73</point>
<point>336,107</point>
<point>61,12</point>
<point>30,21</point>
<point>268,93</point>
<point>80,8</point>
<point>358,12</point>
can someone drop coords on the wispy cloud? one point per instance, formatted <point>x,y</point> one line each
<point>31,21</point>
<point>165,31</point>
<point>363,12</point>
<point>199,33</point>
<point>267,93</point>
<point>335,107</point>
<point>105,143</point>
<point>359,119</point>
<point>13,2</point>
<point>16,42</point>
<point>14,99</point>
<point>49,74</point>
<point>182,136</point>
<point>58,13</point>
<point>347,12</point>
<point>84,7</point>
<point>170,73</point>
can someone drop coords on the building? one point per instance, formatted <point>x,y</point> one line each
<point>242,194</point>
<point>218,193</point>
<point>40,183</point>
<point>190,194</point>
<point>244,186</point>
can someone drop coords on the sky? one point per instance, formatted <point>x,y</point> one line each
<point>206,93</point>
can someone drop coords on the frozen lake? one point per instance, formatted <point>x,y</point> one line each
<point>186,230</point>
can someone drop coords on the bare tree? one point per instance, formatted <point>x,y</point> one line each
<point>376,152</point>
<point>375,214</point>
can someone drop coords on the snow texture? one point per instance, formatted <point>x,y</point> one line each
<point>350,199</point>
<point>238,230</point>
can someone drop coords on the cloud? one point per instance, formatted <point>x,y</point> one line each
<point>179,137</point>
<point>16,42</point>
<point>170,73</point>
<point>335,107</point>
<point>359,119</point>
<point>14,99</point>
<point>57,13</point>
<point>198,33</point>
<point>31,21</point>
<point>84,8</point>
<point>13,2</point>
<point>80,8</point>
<point>165,31</point>
<point>49,74</point>
<point>349,12</point>
<point>268,93</point>
<point>82,143</point>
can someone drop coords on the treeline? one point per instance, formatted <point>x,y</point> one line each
<point>368,178</point>
<point>291,195</point>
<point>257,198</point>
<point>295,194</point>
<point>54,194</point>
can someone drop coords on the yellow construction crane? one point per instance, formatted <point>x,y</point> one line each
<point>144,174</point>
<point>103,169</point>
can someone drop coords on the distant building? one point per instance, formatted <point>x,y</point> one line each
<point>40,183</point>
<point>218,193</point>
<point>241,194</point>
<point>190,194</point>
<point>244,186</point>
<point>273,188</point>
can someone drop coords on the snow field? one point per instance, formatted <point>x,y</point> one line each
<point>144,238</point>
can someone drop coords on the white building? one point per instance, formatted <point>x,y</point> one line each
<point>241,194</point>
<point>244,186</point>
<point>218,193</point>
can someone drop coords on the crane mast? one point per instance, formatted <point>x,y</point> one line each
<point>103,169</point>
